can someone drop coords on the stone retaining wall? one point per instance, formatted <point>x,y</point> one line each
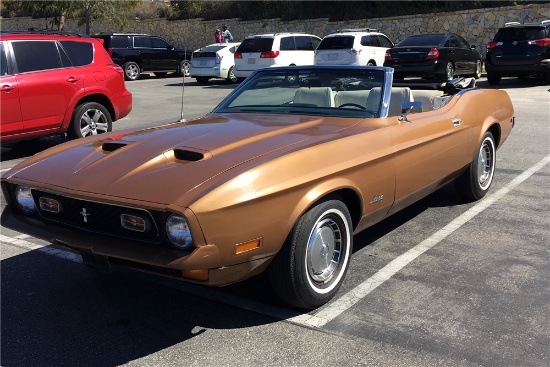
<point>477,26</point>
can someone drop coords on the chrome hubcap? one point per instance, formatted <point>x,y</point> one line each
<point>485,165</point>
<point>93,122</point>
<point>324,250</point>
<point>132,71</point>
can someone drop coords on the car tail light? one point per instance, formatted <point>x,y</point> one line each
<point>542,42</point>
<point>269,54</point>
<point>116,68</point>
<point>218,59</point>
<point>493,44</point>
<point>433,54</point>
<point>356,52</point>
<point>110,51</point>
<point>387,56</point>
<point>237,55</point>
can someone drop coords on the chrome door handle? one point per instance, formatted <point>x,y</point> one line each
<point>456,121</point>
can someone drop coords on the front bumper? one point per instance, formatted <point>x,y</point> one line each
<point>107,251</point>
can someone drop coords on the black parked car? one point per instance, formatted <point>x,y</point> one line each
<point>519,50</point>
<point>434,56</point>
<point>137,53</point>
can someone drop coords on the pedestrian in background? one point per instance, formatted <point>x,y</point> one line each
<point>218,36</point>
<point>226,35</point>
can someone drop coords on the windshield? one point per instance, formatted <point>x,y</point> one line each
<point>339,92</point>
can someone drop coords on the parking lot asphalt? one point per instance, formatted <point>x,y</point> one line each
<point>441,283</point>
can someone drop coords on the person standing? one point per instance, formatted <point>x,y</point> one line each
<point>218,36</point>
<point>226,35</point>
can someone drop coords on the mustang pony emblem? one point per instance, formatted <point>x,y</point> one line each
<point>84,215</point>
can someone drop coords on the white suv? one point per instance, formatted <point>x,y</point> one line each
<point>275,49</point>
<point>353,47</point>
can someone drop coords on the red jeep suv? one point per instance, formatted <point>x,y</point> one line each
<point>55,84</point>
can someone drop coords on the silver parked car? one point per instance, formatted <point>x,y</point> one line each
<point>214,61</point>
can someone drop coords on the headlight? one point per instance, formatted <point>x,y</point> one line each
<point>24,199</point>
<point>178,231</point>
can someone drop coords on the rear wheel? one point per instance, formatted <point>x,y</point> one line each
<point>449,71</point>
<point>493,79</point>
<point>231,78</point>
<point>371,63</point>
<point>184,68</point>
<point>131,71</point>
<point>478,69</point>
<point>474,183</point>
<point>202,80</point>
<point>310,267</point>
<point>90,118</point>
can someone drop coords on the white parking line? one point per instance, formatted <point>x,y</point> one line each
<point>4,170</point>
<point>323,316</point>
<point>26,245</point>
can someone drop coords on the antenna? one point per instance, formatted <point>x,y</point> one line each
<point>183,86</point>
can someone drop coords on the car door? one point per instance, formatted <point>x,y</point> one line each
<point>167,57</point>
<point>47,83</point>
<point>468,55</point>
<point>429,149</point>
<point>456,54</point>
<point>10,113</point>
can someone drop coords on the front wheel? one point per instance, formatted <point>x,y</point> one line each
<point>90,118</point>
<point>474,183</point>
<point>310,267</point>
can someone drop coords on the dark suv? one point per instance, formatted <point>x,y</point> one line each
<point>55,84</point>
<point>138,53</point>
<point>519,50</point>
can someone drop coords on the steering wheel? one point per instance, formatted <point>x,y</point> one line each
<point>352,105</point>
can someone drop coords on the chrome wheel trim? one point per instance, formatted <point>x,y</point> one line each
<point>184,70</point>
<point>327,251</point>
<point>449,71</point>
<point>232,76</point>
<point>132,71</point>
<point>478,69</point>
<point>93,122</point>
<point>485,164</point>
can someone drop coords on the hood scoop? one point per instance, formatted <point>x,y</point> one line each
<point>191,155</point>
<point>111,146</point>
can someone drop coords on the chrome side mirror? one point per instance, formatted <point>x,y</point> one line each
<point>407,107</point>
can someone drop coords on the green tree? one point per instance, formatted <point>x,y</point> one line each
<point>85,11</point>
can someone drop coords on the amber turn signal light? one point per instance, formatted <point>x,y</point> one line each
<point>196,274</point>
<point>247,246</point>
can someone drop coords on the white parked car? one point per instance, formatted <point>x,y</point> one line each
<point>275,49</point>
<point>353,47</point>
<point>214,61</point>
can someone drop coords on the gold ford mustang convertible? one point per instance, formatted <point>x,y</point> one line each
<point>278,178</point>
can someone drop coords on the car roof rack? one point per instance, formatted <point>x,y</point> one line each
<point>357,30</point>
<point>513,24</point>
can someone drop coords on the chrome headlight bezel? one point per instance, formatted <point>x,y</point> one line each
<point>178,231</point>
<point>24,200</point>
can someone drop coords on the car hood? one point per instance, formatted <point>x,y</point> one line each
<point>163,163</point>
